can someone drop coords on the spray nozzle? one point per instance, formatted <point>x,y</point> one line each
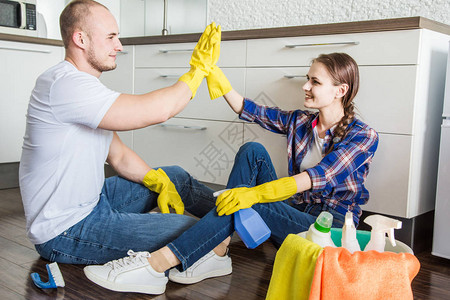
<point>384,224</point>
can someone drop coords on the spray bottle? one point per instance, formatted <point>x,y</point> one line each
<point>349,240</point>
<point>381,226</point>
<point>319,232</point>
<point>249,225</point>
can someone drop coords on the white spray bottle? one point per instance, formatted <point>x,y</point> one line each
<point>349,240</point>
<point>381,226</point>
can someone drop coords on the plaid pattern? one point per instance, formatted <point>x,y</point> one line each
<point>338,179</point>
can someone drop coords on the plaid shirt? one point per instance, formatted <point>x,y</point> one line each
<point>338,179</point>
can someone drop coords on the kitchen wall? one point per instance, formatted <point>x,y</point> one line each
<point>250,14</point>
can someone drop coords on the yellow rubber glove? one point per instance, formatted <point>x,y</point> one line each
<point>218,84</point>
<point>158,181</point>
<point>203,57</point>
<point>235,199</point>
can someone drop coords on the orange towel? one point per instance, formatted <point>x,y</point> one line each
<point>363,275</point>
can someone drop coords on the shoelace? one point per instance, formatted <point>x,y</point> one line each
<point>133,259</point>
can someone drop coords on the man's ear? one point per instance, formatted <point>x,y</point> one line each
<point>342,90</point>
<point>79,38</point>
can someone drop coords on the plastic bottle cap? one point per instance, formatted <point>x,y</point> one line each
<point>324,221</point>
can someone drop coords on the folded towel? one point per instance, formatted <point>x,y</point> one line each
<point>293,269</point>
<point>363,275</point>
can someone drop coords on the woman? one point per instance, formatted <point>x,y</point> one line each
<point>329,155</point>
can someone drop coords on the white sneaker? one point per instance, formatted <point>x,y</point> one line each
<point>210,265</point>
<point>128,274</point>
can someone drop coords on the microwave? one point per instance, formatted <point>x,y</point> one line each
<point>18,17</point>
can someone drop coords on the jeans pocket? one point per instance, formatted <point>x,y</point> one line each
<point>66,258</point>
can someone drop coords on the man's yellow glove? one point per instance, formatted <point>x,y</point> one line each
<point>218,84</point>
<point>158,181</point>
<point>235,199</point>
<point>205,54</point>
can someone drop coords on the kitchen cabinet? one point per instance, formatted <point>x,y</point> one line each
<point>400,95</point>
<point>20,65</point>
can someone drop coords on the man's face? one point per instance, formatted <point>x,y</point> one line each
<point>104,41</point>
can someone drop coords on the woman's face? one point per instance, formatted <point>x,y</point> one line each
<point>320,92</point>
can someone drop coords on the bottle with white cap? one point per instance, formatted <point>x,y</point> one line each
<point>319,232</point>
<point>349,240</point>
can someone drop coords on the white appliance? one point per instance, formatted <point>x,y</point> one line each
<point>441,240</point>
<point>18,17</point>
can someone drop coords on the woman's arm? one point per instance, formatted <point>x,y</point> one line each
<point>235,100</point>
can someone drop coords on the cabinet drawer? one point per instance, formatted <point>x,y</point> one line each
<point>385,99</point>
<point>232,54</point>
<point>201,106</point>
<point>281,87</point>
<point>275,144</point>
<point>121,79</point>
<point>375,48</point>
<point>206,149</point>
<point>389,176</point>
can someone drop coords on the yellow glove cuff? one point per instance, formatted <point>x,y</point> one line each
<point>277,190</point>
<point>218,84</point>
<point>193,79</point>
<point>153,180</point>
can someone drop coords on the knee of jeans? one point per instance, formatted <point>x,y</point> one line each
<point>175,172</point>
<point>252,146</point>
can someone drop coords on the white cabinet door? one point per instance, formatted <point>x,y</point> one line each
<point>121,79</point>
<point>275,144</point>
<point>280,87</point>
<point>206,149</point>
<point>389,176</point>
<point>20,65</point>
<point>386,98</point>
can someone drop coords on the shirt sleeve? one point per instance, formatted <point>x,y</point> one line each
<point>273,119</point>
<point>348,157</point>
<point>81,98</point>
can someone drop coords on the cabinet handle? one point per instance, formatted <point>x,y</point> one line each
<point>26,50</point>
<point>184,126</point>
<point>321,44</point>
<point>294,76</point>
<point>175,50</point>
<point>122,52</point>
<point>169,76</point>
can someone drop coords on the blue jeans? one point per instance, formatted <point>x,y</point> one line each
<point>121,221</point>
<point>252,166</point>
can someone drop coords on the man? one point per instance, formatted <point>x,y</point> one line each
<point>73,214</point>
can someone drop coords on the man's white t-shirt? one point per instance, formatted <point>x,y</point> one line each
<point>62,165</point>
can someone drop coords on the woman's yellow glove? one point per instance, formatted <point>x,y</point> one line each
<point>235,199</point>
<point>205,55</point>
<point>218,84</point>
<point>158,181</point>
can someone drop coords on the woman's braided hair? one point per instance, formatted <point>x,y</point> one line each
<point>342,69</point>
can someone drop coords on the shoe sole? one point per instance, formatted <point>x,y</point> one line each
<point>191,280</point>
<point>145,289</point>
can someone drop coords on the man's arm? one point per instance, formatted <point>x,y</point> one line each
<point>126,162</point>
<point>138,111</point>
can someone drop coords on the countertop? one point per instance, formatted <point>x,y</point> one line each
<point>306,30</point>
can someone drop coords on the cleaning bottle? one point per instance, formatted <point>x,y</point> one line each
<point>349,240</point>
<point>249,225</point>
<point>319,232</point>
<point>381,226</point>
